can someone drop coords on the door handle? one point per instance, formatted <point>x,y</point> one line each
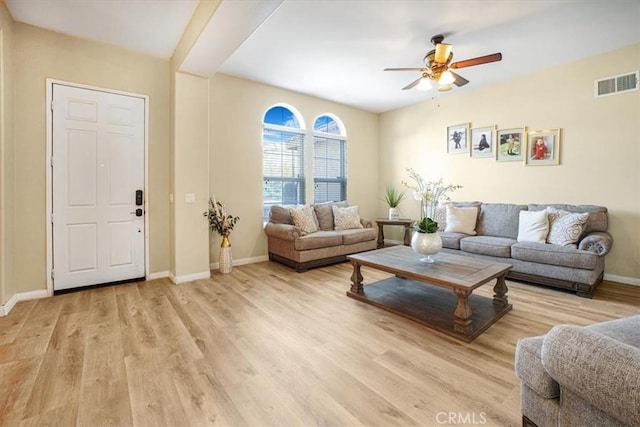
<point>137,212</point>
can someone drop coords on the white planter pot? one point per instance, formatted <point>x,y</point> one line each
<point>426,244</point>
<point>394,214</point>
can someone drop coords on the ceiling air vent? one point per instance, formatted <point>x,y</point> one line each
<point>616,84</point>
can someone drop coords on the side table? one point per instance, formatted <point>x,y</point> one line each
<point>406,223</point>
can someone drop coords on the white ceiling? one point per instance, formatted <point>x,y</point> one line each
<point>150,26</point>
<point>337,49</point>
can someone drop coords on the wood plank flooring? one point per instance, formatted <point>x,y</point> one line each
<point>266,346</point>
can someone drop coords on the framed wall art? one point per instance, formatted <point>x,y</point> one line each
<point>543,148</point>
<point>458,139</point>
<point>511,144</point>
<point>483,142</point>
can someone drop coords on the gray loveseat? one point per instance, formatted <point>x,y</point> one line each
<point>581,376</point>
<point>579,268</point>
<point>289,245</point>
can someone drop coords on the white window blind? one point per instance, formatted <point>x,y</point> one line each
<point>329,169</point>
<point>329,161</point>
<point>283,168</point>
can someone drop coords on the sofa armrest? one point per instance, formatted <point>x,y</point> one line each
<point>598,241</point>
<point>282,231</point>
<point>599,369</point>
<point>366,223</point>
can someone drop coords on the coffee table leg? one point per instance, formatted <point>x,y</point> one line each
<point>463,313</point>
<point>500,292</point>
<point>380,242</point>
<point>356,279</point>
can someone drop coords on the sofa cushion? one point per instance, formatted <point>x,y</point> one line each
<point>324,213</point>
<point>352,236</point>
<point>565,228</point>
<point>452,240</point>
<point>280,214</point>
<point>461,220</point>
<point>499,220</point>
<point>487,245</point>
<point>303,219</point>
<point>528,366</point>
<point>554,255</point>
<point>319,239</point>
<point>626,330</point>
<point>441,212</point>
<point>533,226</point>
<point>598,215</point>
<point>346,218</point>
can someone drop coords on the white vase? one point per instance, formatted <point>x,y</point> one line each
<point>225,259</point>
<point>426,244</point>
<point>394,214</point>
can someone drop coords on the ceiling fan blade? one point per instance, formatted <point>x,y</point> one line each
<point>460,81</point>
<point>422,70</point>
<point>412,84</point>
<point>477,61</point>
<point>442,52</point>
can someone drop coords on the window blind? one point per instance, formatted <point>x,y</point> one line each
<point>329,169</point>
<point>283,169</point>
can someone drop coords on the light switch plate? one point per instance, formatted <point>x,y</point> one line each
<point>189,198</point>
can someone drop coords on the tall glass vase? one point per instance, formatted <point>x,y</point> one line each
<point>225,258</point>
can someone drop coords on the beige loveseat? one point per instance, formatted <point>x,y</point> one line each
<point>581,376</point>
<point>290,245</point>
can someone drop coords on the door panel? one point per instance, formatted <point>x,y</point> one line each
<point>98,164</point>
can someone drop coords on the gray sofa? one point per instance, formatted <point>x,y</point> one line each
<point>288,245</point>
<point>579,269</point>
<point>581,376</point>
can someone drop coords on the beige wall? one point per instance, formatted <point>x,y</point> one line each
<point>237,110</point>
<point>191,176</point>
<point>41,54</point>
<point>7,170</point>
<point>600,149</point>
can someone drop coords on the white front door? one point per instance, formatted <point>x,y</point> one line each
<point>98,184</point>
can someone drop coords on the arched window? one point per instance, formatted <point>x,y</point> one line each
<point>283,165</point>
<point>329,160</point>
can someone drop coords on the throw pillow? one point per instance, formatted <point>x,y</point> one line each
<point>441,217</point>
<point>461,220</point>
<point>324,213</point>
<point>346,218</point>
<point>303,219</point>
<point>533,226</point>
<point>565,227</point>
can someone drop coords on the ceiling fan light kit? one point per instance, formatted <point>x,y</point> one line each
<point>438,67</point>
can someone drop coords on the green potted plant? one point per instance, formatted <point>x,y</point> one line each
<point>393,197</point>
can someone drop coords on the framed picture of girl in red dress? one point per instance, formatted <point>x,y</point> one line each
<point>543,148</point>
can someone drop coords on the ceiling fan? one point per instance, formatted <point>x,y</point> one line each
<point>438,67</point>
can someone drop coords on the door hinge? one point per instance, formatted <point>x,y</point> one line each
<point>51,217</point>
<point>51,105</point>
<point>52,275</point>
<point>51,161</point>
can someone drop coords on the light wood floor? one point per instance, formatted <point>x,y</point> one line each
<point>266,346</point>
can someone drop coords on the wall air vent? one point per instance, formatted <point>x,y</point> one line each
<point>616,84</point>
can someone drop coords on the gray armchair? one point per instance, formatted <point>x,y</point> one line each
<point>581,376</point>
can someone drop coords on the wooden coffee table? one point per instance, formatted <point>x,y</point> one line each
<point>423,292</point>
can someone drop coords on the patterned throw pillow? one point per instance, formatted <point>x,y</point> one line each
<point>565,227</point>
<point>346,218</point>
<point>303,219</point>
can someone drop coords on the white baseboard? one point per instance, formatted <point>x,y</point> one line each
<point>243,261</point>
<point>622,279</point>
<point>190,277</point>
<point>21,296</point>
<point>157,275</point>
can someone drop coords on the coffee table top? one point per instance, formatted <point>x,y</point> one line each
<point>447,271</point>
